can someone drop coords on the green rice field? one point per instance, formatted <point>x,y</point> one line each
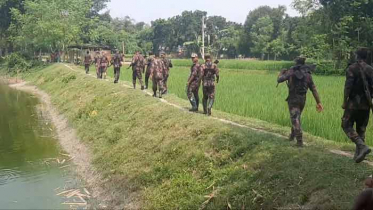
<point>254,94</point>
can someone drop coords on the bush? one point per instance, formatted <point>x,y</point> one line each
<point>16,62</point>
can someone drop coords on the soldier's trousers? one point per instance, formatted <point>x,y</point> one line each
<point>165,80</point>
<point>192,91</point>
<point>157,85</point>
<point>358,117</point>
<point>86,68</point>
<point>295,117</point>
<point>147,76</point>
<point>98,70</point>
<point>137,74</point>
<point>116,74</point>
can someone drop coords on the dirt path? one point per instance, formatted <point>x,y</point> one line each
<point>337,152</point>
<point>79,153</point>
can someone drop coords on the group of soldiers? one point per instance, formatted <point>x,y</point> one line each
<point>357,100</point>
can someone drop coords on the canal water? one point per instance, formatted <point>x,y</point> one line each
<point>31,162</point>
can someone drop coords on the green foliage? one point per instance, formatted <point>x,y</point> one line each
<point>15,62</point>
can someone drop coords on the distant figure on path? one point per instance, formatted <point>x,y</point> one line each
<point>357,103</point>
<point>149,63</point>
<point>98,64</point>
<point>156,74</point>
<point>299,81</point>
<point>168,64</point>
<point>209,72</point>
<point>104,65</point>
<point>116,61</point>
<point>138,64</point>
<point>87,62</point>
<point>194,83</point>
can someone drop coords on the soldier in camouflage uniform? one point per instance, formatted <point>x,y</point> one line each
<point>193,83</point>
<point>98,64</point>
<point>149,64</point>
<point>156,74</point>
<point>87,62</point>
<point>355,103</point>
<point>209,71</point>
<point>104,63</point>
<point>116,61</point>
<point>168,64</point>
<point>299,81</point>
<point>138,64</point>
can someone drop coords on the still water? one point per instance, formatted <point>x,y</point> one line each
<point>30,168</point>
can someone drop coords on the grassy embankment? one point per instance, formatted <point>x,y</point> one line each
<point>175,160</point>
<point>254,94</point>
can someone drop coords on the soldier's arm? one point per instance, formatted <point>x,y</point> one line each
<point>285,76</point>
<point>217,74</point>
<point>193,75</point>
<point>313,88</point>
<point>350,79</point>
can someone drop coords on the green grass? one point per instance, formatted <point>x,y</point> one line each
<point>173,159</point>
<point>254,94</point>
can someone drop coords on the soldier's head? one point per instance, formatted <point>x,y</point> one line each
<point>151,54</point>
<point>208,58</point>
<point>162,54</point>
<point>87,52</point>
<point>362,53</point>
<point>300,60</point>
<point>194,57</point>
<point>117,51</point>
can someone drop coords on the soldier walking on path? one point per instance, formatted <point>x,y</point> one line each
<point>193,83</point>
<point>138,64</point>
<point>299,80</point>
<point>87,62</point>
<point>104,65</point>
<point>98,64</point>
<point>357,103</point>
<point>168,64</point>
<point>209,71</point>
<point>149,63</point>
<point>156,74</point>
<point>116,61</point>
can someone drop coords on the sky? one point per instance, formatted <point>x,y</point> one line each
<point>148,10</point>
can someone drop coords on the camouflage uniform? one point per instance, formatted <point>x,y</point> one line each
<point>98,65</point>
<point>116,61</point>
<point>209,71</point>
<point>356,104</point>
<point>138,64</point>
<point>194,81</point>
<point>167,64</point>
<point>299,81</point>
<point>104,63</point>
<point>156,73</point>
<point>150,62</point>
<point>87,62</point>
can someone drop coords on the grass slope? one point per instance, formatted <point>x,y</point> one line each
<point>176,160</point>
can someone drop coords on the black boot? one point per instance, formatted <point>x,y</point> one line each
<point>194,105</point>
<point>134,85</point>
<point>209,108</point>
<point>204,103</point>
<point>160,94</point>
<point>292,136</point>
<point>142,87</point>
<point>299,143</point>
<point>362,150</point>
<point>155,94</point>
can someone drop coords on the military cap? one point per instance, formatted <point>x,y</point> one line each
<point>194,55</point>
<point>207,56</point>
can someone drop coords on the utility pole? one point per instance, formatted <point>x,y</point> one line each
<point>203,37</point>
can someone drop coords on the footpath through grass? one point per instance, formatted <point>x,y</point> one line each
<point>177,160</point>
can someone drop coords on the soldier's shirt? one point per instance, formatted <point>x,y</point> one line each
<point>209,72</point>
<point>87,59</point>
<point>157,69</point>
<point>295,97</point>
<point>195,74</point>
<point>167,64</point>
<point>117,60</point>
<point>354,93</point>
<point>138,61</point>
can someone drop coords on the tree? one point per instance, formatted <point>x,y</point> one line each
<point>48,25</point>
<point>261,34</point>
